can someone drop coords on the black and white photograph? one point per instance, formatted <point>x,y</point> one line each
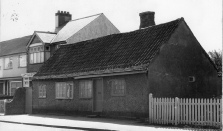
<point>111,65</point>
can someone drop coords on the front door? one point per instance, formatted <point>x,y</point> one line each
<point>98,95</point>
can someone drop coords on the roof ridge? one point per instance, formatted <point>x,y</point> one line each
<point>15,38</point>
<point>179,19</point>
<point>45,32</point>
<point>86,17</point>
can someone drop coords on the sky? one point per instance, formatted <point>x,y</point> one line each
<point>204,17</point>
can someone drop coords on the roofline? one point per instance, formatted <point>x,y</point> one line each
<point>14,39</point>
<point>13,54</point>
<point>205,53</point>
<point>86,75</point>
<point>86,17</point>
<point>59,42</point>
<point>34,34</point>
<point>85,25</point>
<point>11,78</point>
<point>73,20</point>
<point>111,74</point>
<point>45,32</point>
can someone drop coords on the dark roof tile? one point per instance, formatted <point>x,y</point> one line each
<point>125,51</point>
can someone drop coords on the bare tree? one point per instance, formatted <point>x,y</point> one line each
<point>216,57</point>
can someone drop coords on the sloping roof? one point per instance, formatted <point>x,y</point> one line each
<point>14,46</point>
<point>46,37</point>
<point>114,53</point>
<point>73,27</point>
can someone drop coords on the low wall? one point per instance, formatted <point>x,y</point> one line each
<point>17,105</point>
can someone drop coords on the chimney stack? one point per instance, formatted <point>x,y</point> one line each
<point>146,19</point>
<point>62,17</point>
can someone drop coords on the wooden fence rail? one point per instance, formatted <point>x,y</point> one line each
<point>191,111</point>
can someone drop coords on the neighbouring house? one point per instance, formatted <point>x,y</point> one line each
<point>115,74</point>
<point>12,64</point>
<point>43,44</point>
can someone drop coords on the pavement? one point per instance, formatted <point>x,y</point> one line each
<point>85,123</point>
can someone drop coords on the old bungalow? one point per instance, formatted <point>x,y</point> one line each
<point>113,75</point>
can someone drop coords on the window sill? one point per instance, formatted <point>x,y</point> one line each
<point>63,98</point>
<point>22,66</point>
<point>36,63</point>
<point>8,69</point>
<point>42,97</point>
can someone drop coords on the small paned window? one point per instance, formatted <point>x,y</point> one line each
<point>118,87</point>
<point>85,88</point>
<point>8,63</point>
<point>191,79</point>
<point>22,61</point>
<point>64,90</point>
<point>42,91</point>
<point>36,55</point>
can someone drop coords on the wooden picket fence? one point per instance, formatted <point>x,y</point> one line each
<point>188,111</point>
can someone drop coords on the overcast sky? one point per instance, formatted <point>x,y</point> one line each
<point>204,17</point>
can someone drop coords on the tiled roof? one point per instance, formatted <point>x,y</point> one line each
<point>14,46</point>
<point>73,27</point>
<point>113,53</point>
<point>46,37</point>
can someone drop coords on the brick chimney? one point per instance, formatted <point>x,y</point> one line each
<point>146,19</point>
<point>62,17</point>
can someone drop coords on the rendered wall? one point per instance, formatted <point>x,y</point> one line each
<point>16,70</point>
<point>99,27</point>
<point>178,59</point>
<point>133,104</point>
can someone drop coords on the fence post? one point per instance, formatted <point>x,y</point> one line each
<point>150,107</point>
<point>176,110</point>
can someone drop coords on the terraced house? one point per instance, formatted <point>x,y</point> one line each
<point>12,64</point>
<point>113,75</point>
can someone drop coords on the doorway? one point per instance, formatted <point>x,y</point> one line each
<point>98,95</point>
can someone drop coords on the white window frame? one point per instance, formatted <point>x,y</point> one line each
<point>118,84</point>
<point>42,91</point>
<point>25,60</point>
<point>36,54</point>
<point>65,91</point>
<point>10,59</point>
<point>84,90</point>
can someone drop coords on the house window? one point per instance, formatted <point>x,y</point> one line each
<point>42,91</point>
<point>36,55</point>
<point>22,61</point>
<point>85,88</point>
<point>191,79</point>
<point>64,90</point>
<point>118,87</point>
<point>8,63</point>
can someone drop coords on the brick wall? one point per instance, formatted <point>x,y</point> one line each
<point>17,105</point>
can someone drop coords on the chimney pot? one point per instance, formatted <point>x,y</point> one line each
<point>62,17</point>
<point>146,19</point>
